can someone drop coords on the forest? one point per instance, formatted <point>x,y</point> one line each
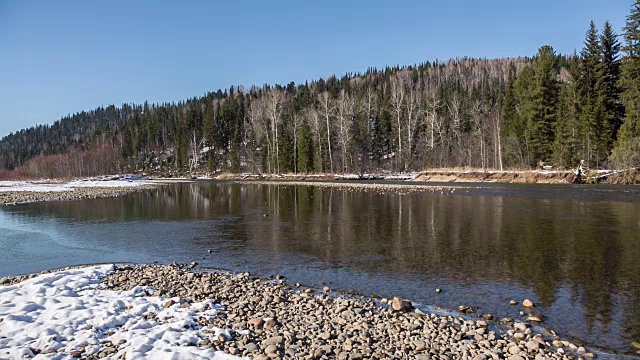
<point>513,113</point>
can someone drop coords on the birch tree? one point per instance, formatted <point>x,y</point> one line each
<point>274,99</point>
<point>397,100</point>
<point>345,111</point>
<point>327,110</point>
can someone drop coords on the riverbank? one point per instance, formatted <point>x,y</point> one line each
<point>15,192</point>
<point>403,188</point>
<point>455,175</point>
<point>150,311</point>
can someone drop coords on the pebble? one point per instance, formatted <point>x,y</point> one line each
<point>527,303</point>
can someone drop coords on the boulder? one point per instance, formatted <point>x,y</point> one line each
<point>399,304</point>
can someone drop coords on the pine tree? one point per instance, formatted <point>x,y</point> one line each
<point>627,150</point>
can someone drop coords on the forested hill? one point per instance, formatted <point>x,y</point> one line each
<point>502,113</point>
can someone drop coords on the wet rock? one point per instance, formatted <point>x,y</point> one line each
<point>527,303</point>
<point>438,290</point>
<point>520,326</point>
<point>535,318</point>
<point>513,302</point>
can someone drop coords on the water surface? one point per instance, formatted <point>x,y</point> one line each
<point>573,250</point>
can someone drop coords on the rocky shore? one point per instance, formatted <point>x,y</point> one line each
<point>10,196</point>
<point>288,321</point>
<point>269,318</point>
<point>403,188</point>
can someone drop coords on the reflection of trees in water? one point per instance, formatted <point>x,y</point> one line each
<point>541,244</point>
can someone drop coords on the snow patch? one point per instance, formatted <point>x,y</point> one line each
<point>69,186</point>
<point>69,310</point>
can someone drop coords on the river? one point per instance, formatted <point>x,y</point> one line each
<point>573,250</point>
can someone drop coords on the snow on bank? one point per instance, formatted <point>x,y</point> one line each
<point>67,310</point>
<point>69,186</point>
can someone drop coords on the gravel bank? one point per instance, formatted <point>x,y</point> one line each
<point>11,197</point>
<point>379,187</point>
<point>272,319</point>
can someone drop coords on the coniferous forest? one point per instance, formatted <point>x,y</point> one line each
<point>512,113</point>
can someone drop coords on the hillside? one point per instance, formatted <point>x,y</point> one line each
<point>501,113</point>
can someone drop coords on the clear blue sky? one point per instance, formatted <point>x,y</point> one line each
<point>61,57</point>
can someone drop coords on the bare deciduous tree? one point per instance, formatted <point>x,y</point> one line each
<point>327,109</point>
<point>346,111</point>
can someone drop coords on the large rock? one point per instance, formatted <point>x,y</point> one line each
<point>528,303</point>
<point>399,304</point>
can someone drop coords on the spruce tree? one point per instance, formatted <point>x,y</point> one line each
<point>542,123</point>
<point>610,91</point>
<point>595,130</point>
<point>567,127</point>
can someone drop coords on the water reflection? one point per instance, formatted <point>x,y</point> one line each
<point>574,256</point>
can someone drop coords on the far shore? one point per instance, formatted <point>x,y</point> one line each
<point>39,190</point>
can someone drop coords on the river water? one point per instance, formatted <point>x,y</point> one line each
<point>573,250</point>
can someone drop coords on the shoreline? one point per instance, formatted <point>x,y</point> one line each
<point>471,175</point>
<point>20,192</point>
<point>267,317</point>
